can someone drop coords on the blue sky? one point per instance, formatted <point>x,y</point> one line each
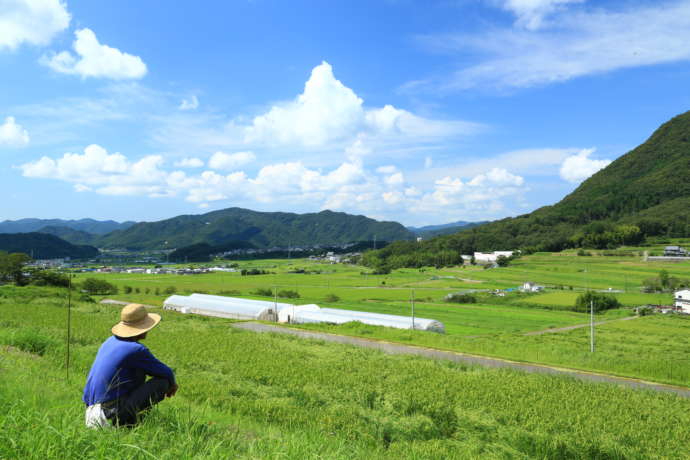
<point>422,112</point>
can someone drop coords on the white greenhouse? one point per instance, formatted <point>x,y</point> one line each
<point>335,316</point>
<point>248,309</point>
<point>226,307</point>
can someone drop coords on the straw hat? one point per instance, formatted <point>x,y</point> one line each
<point>135,320</point>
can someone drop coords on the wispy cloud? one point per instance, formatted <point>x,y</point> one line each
<point>571,44</point>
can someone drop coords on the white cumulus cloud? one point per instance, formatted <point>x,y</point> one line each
<point>35,22</point>
<point>96,60</point>
<point>229,161</point>
<point>192,162</point>
<point>579,167</point>
<point>12,134</point>
<point>329,111</point>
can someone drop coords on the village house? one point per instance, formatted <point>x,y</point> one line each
<point>675,251</point>
<point>531,287</point>
<point>682,299</point>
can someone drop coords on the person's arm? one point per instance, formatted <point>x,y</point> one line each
<point>152,366</point>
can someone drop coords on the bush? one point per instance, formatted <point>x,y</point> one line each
<point>230,292</point>
<point>461,298</point>
<point>49,278</point>
<point>288,294</point>
<point>331,298</point>
<point>94,286</point>
<point>170,290</point>
<point>127,289</point>
<point>584,253</point>
<point>600,301</point>
<point>32,341</point>
<point>264,292</point>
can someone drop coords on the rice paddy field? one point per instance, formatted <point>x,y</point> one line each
<point>245,395</point>
<point>654,348</point>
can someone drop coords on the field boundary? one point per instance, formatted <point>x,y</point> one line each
<point>402,349</point>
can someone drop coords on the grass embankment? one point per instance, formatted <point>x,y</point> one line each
<point>244,395</point>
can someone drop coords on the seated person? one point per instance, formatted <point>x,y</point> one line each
<point>116,390</point>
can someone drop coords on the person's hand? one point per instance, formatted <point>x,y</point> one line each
<point>171,392</point>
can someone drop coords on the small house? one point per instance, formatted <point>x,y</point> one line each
<point>682,301</point>
<point>531,287</point>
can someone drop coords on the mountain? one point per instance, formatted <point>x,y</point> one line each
<point>261,229</point>
<point>643,193</point>
<point>70,235</point>
<point>430,231</point>
<point>95,227</point>
<point>43,246</point>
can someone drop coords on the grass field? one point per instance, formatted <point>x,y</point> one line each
<point>244,395</point>
<point>649,348</point>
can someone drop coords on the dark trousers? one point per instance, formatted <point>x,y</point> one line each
<point>130,409</point>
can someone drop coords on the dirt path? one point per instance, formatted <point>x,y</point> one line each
<point>397,349</point>
<point>577,326</point>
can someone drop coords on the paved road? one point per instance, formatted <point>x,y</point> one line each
<point>577,326</point>
<point>396,349</point>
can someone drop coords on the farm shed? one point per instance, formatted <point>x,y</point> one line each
<point>228,307</point>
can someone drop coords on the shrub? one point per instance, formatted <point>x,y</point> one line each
<point>32,341</point>
<point>170,290</point>
<point>331,298</point>
<point>600,301</point>
<point>127,289</point>
<point>584,253</point>
<point>230,292</point>
<point>49,278</point>
<point>94,286</point>
<point>461,298</point>
<point>264,292</point>
<point>288,294</point>
<point>157,291</point>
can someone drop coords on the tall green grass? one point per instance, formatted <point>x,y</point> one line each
<point>244,395</point>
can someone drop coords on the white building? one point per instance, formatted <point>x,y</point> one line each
<point>531,287</point>
<point>490,257</point>
<point>683,300</point>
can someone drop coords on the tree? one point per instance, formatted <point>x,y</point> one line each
<point>12,267</point>
<point>600,301</point>
<point>663,278</point>
<point>94,286</point>
<point>502,261</point>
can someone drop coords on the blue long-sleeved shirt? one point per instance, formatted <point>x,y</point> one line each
<point>120,367</point>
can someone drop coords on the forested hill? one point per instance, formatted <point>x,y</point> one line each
<point>644,192</point>
<point>262,229</point>
<point>43,246</point>
<point>96,227</point>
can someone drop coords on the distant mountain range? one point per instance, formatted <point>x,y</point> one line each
<point>261,229</point>
<point>96,227</point>
<point>232,226</point>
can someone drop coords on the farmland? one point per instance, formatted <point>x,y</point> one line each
<point>248,396</point>
<point>652,348</point>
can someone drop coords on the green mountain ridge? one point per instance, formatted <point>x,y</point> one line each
<point>262,229</point>
<point>44,246</point>
<point>648,188</point>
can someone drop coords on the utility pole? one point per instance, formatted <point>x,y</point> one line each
<point>412,309</point>
<point>69,318</point>
<point>591,325</point>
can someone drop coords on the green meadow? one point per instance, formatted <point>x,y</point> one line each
<point>245,395</point>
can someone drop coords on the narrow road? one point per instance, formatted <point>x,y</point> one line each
<point>577,326</point>
<point>398,349</point>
